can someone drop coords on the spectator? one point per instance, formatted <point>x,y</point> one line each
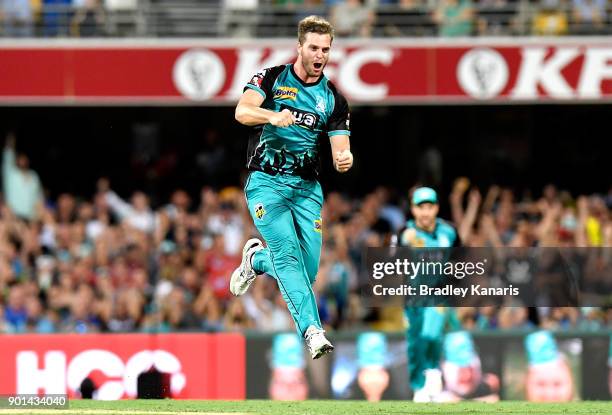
<point>56,17</point>
<point>454,18</point>
<point>17,16</point>
<point>495,17</point>
<point>240,18</point>
<point>22,187</point>
<point>236,317</point>
<point>88,21</point>
<point>589,16</point>
<point>38,321</point>
<point>549,19</point>
<point>78,271</point>
<point>352,18</point>
<point>207,308</point>
<point>136,214</point>
<point>15,313</point>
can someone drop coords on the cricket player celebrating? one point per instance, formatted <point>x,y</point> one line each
<point>425,331</point>
<point>290,106</point>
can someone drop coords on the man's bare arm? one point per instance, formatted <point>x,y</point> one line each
<point>249,112</point>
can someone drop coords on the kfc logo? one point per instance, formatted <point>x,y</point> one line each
<point>482,73</point>
<point>199,74</point>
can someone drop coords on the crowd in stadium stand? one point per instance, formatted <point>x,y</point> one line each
<point>114,263</point>
<point>354,18</point>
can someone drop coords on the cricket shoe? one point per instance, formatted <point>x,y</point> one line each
<point>421,396</point>
<point>433,383</point>
<point>244,275</point>
<point>317,343</point>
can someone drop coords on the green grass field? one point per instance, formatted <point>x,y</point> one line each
<point>256,407</point>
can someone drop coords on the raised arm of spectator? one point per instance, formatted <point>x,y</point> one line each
<point>546,226</point>
<point>582,206</point>
<point>467,223</point>
<point>119,206</point>
<point>9,164</point>
<point>488,227</point>
<point>456,199</point>
<point>490,199</point>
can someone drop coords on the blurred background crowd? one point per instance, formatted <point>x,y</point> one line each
<point>272,18</point>
<point>114,262</point>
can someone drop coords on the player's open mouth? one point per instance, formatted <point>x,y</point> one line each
<point>318,66</point>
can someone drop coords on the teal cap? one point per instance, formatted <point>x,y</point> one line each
<point>287,351</point>
<point>541,348</point>
<point>423,195</point>
<point>459,348</point>
<point>371,349</point>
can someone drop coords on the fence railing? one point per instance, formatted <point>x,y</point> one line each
<point>201,18</point>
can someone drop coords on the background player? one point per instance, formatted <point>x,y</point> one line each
<point>425,330</point>
<point>290,107</point>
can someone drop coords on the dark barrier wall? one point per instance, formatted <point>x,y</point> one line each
<point>160,149</point>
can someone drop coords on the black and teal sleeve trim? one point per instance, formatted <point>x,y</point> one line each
<point>339,132</point>
<point>255,88</point>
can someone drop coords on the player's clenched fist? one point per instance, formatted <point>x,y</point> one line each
<point>282,119</point>
<point>343,161</point>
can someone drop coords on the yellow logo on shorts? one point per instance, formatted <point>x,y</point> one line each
<point>318,225</point>
<point>259,211</point>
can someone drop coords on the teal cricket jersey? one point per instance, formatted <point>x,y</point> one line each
<point>319,110</point>
<point>444,235</point>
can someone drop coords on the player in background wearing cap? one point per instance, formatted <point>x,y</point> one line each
<point>425,331</point>
<point>291,108</point>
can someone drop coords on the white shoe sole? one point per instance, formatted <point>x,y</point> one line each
<point>235,280</point>
<point>325,349</point>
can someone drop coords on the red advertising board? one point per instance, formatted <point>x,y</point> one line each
<point>163,72</point>
<point>200,366</point>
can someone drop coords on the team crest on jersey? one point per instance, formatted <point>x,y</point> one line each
<point>318,225</point>
<point>286,92</point>
<point>257,79</point>
<point>260,212</point>
<point>321,106</point>
<point>303,119</point>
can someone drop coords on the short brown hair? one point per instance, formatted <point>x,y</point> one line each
<point>314,24</point>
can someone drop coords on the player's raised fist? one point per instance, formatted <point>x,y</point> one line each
<point>282,119</point>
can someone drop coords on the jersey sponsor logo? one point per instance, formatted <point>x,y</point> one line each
<point>303,119</point>
<point>318,225</point>
<point>286,92</point>
<point>260,212</point>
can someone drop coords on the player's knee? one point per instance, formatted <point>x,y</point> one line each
<point>312,270</point>
<point>288,255</point>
